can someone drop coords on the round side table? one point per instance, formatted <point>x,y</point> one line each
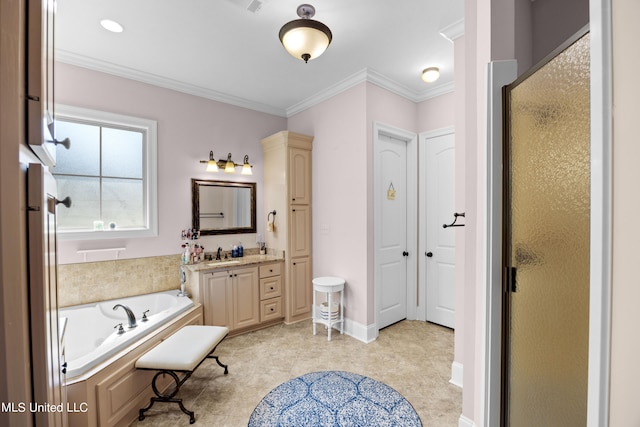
<point>324,313</point>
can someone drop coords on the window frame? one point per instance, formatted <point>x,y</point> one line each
<point>149,129</point>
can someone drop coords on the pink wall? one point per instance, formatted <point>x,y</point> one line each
<point>625,316</point>
<point>339,197</point>
<point>437,113</point>
<point>342,176</point>
<point>188,128</point>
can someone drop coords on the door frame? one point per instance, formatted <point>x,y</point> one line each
<point>421,313</point>
<point>411,140</point>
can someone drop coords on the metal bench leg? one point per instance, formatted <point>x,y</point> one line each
<point>222,365</point>
<point>169,397</point>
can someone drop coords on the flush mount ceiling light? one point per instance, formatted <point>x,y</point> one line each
<point>228,165</point>
<point>430,74</point>
<point>112,26</point>
<point>305,38</point>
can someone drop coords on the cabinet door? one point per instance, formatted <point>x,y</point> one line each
<point>299,176</point>
<point>246,297</point>
<point>300,231</point>
<point>40,102</point>
<point>216,296</point>
<point>300,297</point>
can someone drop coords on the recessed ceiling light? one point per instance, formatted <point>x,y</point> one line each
<point>112,26</point>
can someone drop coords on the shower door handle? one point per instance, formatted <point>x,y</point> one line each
<point>510,279</point>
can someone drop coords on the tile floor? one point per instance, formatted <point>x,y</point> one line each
<point>413,357</point>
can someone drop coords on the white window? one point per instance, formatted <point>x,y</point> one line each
<point>109,172</point>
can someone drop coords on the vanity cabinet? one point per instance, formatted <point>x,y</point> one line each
<point>230,298</point>
<point>270,292</point>
<point>243,298</point>
<point>287,190</point>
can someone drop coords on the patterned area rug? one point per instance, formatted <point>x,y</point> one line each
<point>333,399</point>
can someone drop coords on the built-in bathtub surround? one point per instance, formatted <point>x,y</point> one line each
<point>90,336</point>
<point>105,280</point>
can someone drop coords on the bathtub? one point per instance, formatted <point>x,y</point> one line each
<point>91,334</point>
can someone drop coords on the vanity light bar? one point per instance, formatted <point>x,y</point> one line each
<point>229,166</point>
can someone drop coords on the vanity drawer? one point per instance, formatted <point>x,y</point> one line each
<point>270,287</point>
<point>270,270</point>
<point>270,309</point>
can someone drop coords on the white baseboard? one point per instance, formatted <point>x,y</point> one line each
<point>364,333</point>
<point>456,374</point>
<point>465,422</point>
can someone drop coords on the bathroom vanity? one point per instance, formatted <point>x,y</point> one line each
<point>243,294</point>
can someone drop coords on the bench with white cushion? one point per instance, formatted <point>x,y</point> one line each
<point>182,353</point>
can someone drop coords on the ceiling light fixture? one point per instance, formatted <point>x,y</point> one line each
<point>228,165</point>
<point>430,74</point>
<point>305,38</point>
<point>112,26</point>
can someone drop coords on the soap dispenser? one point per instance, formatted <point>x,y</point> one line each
<point>240,250</point>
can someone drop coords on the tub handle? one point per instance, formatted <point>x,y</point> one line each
<point>144,316</point>
<point>120,328</point>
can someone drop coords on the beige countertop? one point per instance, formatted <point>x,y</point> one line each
<point>232,262</point>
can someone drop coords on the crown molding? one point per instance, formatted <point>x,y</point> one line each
<point>152,79</point>
<point>374,77</point>
<point>331,91</point>
<point>365,75</point>
<point>453,31</point>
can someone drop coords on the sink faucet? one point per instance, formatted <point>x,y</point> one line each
<point>130,315</point>
<point>218,254</point>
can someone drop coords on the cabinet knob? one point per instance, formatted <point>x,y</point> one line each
<point>271,270</point>
<point>272,309</point>
<point>271,288</point>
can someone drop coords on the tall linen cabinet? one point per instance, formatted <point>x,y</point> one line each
<point>287,190</point>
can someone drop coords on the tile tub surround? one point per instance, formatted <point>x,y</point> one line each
<point>88,282</point>
<point>99,281</point>
<point>412,357</point>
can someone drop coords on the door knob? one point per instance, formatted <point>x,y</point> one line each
<point>66,202</point>
<point>429,254</point>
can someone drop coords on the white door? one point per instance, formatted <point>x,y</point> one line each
<point>440,242</point>
<point>390,201</point>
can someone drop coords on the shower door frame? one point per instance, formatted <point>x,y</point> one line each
<point>598,369</point>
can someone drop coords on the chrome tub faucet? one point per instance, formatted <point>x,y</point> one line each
<point>130,315</point>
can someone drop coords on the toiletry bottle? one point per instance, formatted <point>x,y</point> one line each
<point>185,254</point>
<point>234,251</point>
<point>240,250</point>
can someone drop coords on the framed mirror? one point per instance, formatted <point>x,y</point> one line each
<point>223,207</point>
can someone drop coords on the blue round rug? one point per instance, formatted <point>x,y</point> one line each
<point>333,399</point>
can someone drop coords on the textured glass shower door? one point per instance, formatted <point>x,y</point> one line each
<point>546,243</point>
